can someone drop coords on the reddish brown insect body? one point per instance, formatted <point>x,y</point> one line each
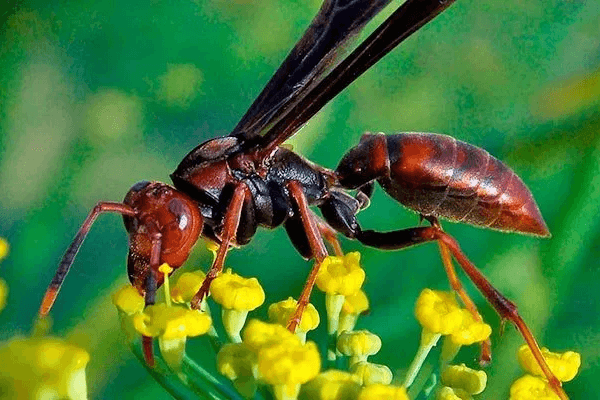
<point>227,187</point>
<point>439,176</point>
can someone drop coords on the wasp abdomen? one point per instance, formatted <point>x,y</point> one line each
<point>437,175</point>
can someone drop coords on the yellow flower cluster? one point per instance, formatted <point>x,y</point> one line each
<point>170,323</point>
<point>271,354</point>
<point>42,368</point>
<point>535,386</point>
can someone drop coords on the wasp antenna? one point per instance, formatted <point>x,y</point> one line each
<point>69,256</point>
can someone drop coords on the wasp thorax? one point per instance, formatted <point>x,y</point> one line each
<point>365,162</point>
<point>167,222</point>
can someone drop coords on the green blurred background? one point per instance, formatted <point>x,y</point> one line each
<point>95,96</point>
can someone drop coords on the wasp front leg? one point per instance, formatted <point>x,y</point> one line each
<point>231,223</point>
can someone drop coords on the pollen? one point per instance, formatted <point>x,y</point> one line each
<point>258,334</point>
<point>563,365</point>
<point>4,248</point>
<point>353,306</point>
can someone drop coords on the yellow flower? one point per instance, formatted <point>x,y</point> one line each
<point>235,292</point>
<point>564,366</point>
<point>341,275</point>
<point>171,322</point>
<point>3,294</point>
<point>4,247</point>
<point>237,296</point>
<point>42,368</point>
<point>353,306</point>
<point>258,334</point>
<point>448,393</point>
<point>286,367</point>
<point>379,391</point>
<point>281,312</point>
<point>369,373</point>
<point>129,303</point>
<point>531,388</point>
<point>358,345</point>
<point>470,330</point>
<point>172,325</point>
<point>438,312</point>
<point>239,364</point>
<point>462,377</point>
<point>187,286</point>
<point>128,300</point>
<point>331,385</point>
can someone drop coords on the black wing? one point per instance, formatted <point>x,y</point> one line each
<point>407,19</point>
<point>317,50</point>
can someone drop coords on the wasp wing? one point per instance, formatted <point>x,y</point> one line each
<point>317,50</point>
<point>407,19</point>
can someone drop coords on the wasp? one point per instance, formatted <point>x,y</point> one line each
<point>227,187</point>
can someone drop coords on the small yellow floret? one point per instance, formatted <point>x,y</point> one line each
<point>3,294</point>
<point>470,330</point>
<point>379,391</point>
<point>187,286</point>
<point>356,303</point>
<point>32,368</point>
<point>462,377</point>
<point>171,322</point>
<point>341,275</point>
<point>128,300</point>
<point>285,364</point>
<point>236,360</point>
<point>438,312</point>
<point>234,292</point>
<point>448,393</point>
<point>331,385</point>
<point>564,366</point>
<point>369,373</point>
<point>4,247</point>
<point>358,344</point>
<point>258,334</point>
<point>531,387</point>
<point>281,312</point>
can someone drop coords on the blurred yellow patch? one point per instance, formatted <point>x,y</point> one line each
<point>331,385</point>
<point>113,115</point>
<point>379,391</point>
<point>42,368</point>
<point>179,86</point>
<point>128,300</point>
<point>3,293</point>
<point>3,248</point>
